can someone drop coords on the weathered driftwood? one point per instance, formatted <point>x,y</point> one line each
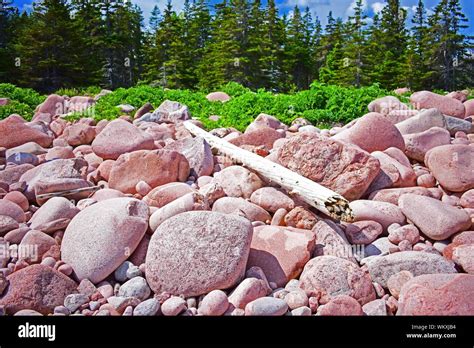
<point>91,190</point>
<point>320,197</point>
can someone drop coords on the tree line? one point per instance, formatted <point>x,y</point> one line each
<point>79,43</point>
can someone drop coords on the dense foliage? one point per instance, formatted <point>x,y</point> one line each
<point>73,43</point>
<point>321,104</point>
<point>23,101</point>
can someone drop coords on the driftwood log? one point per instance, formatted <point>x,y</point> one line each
<point>320,197</point>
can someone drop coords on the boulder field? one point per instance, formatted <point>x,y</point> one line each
<point>136,216</point>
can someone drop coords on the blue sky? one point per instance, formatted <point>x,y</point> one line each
<point>340,8</point>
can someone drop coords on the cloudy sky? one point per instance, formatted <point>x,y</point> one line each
<point>340,8</point>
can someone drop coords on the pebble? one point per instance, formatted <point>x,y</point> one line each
<point>173,306</point>
<point>296,299</point>
<point>266,306</point>
<point>136,287</point>
<point>301,312</point>
<point>397,280</point>
<point>148,307</point>
<point>214,303</point>
<point>74,301</point>
<point>247,291</point>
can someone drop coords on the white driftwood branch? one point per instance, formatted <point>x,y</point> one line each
<point>320,197</point>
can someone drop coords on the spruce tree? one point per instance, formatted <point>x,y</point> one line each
<point>354,50</point>
<point>449,46</point>
<point>388,46</point>
<point>9,20</point>
<point>46,48</point>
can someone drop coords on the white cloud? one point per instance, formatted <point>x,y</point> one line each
<point>377,7</point>
<point>321,8</point>
<point>350,9</point>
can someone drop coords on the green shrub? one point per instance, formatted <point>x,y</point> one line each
<point>23,101</point>
<point>323,105</point>
<point>71,92</point>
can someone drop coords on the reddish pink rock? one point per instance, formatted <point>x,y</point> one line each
<point>266,306</point>
<point>396,281</point>
<point>466,237</point>
<point>265,121</point>
<point>381,212</point>
<point>198,153</point>
<point>238,181</point>
<point>331,240</point>
<point>12,210</point>
<point>4,101</point>
<point>18,198</point>
<point>189,202</point>
<point>11,175</point>
<point>386,104</point>
<point>393,173</point>
<point>57,126</point>
<point>263,136</point>
<point>34,245</point>
<point>214,303</point>
<point>330,276</point>
<point>363,232</point>
<point>422,121</point>
<point>397,116</point>
<point>437,294</point>
<point>54,215</point>
<point>392,195</point>
<point>146,108</point>
<point>71,171</point>
<point>162,195</point>
<point>120,137</point>
<point>156,168</point>
<point>271,199</point>
<point>341,305</point>
<point>218,96</point>
<point>104,169</point>
<point>105,194</point>
<point>467,199</point>
<point>79,134</point>
<point>337,166</point>
<point>452,166</point>
<point>7,226</point>
<point>93,160</point>
<point>86,245</point>
<point>463,255</point>
<point>300,217</point>
<point>175,263</point>
<point>80,103</point>
<point>139,255</point>
<point>435,219</point>
<point>381,268</point>
<point>383,134</point>
<point>418,144</point>
<point>16,132</point>
<point>239,206</point>
<point>448,106</point>
<point>426,180</point>
<point>36,287</point>
<point>53,105</point>
<point>408,232</point>
<point>281,252</point>
<point>459,95</point>
<point>59,153</point>
<point>247,291</point>
<point>469,105</point>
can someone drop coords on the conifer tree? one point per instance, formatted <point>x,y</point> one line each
<point>46,48</point>
<point>9,19</point>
